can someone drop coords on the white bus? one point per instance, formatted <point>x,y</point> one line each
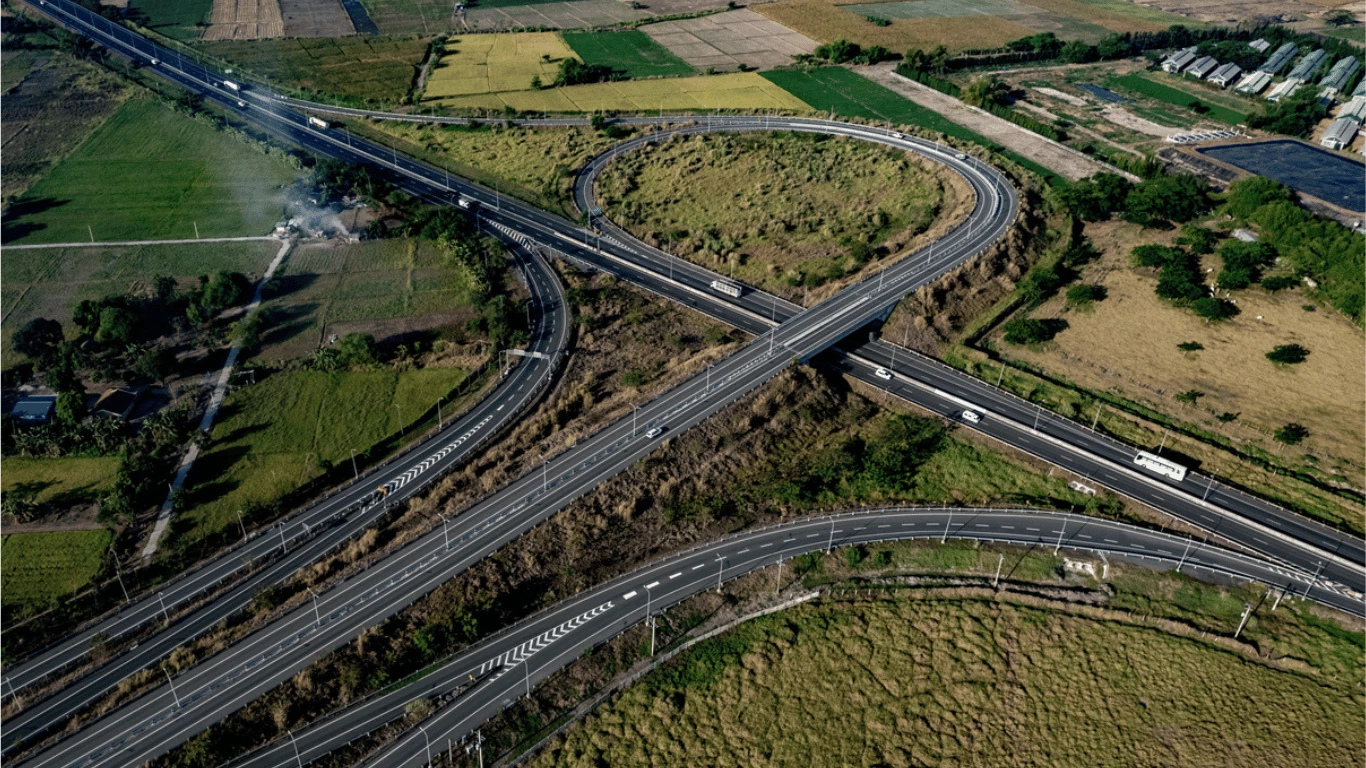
<point>1160,465</point>
<point>319,123</point>
<point>230,85</point>
<point>730,289</point>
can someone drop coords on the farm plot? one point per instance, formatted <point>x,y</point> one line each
<point>368,69</point>
<point>58,482</point>
<point>177,19</point>
<point>316,18</point>
<point>1214,106</point>
<point>151,173</point>
<point>245,20</point>
<point>49,282</point>
<point>38,130</point>
<point>740,91</point>
<point>725,41</point>
<point>824,21</point>
<point>387,288</point>
<point>39,568</point>
<point>276,435</point>
<point>631,53</point>
<point>477,64</point>
<point>1031,16</point>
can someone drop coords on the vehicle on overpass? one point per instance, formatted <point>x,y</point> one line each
<point>319,123</point>
<point>1155,463</point>
<point>730,289</point>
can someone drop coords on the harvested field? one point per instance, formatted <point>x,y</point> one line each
<point>727,40</point>
<point>245,20</point>
<point>1114,15</point>
<point>945,681</point>
<point>1031,16</point>
<point>476,64</point>
<point>631,53</point>
<point>825,22</point>
<point>40,131</point>
<point>315,18</point>
<point>49,282</point>
<point>152,173</point>
<point>1326,393</point>
<point>395,290</point>
<point>40,568</point>
<point>740,90</point>
<point>792,227</point>
<point>360,69</point>
<point>1234,11</point>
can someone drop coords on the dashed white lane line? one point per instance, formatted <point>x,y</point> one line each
<point>1036,530</point>
<point>812,535</point>
<point>652,585</point>
<point>884,526</point>
<point>629,595</point>
<point>675,575</point>
<point>765,545</point>
<point>699,565</point>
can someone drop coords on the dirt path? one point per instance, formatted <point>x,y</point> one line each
<point>1062,160</point>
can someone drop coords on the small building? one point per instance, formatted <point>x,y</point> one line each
<point>1225,75</point>
<point>1259,45</point>
<point>1340,134</point>
<point>1254,83</point>
<point>1356,108</point>
<point>1279,59</point>
<point>1283,89</point>
<point>1179,60</point>
<point>116,403</point>
<point>35,409</point>
<point>1202,66</point>
<point>1246,235</point>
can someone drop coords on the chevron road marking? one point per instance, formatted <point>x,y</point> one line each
<point>509,659</point>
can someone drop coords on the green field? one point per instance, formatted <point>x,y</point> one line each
<point>274,436</point>
<point>38,569</point>
<point>843,92</point>
<point>1144,85</point>
<point>474,64</point>
<point>61,482</point>
<point>951,682</point>
<point>631,52</point>
<point>152,173</point>
<point>365,69</point>
<point>327,289</point>
<point>49,282</point>
<point>738,91</point>
<point>178,19</point>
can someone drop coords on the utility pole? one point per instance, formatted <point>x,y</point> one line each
<point>1279,594</point>
<point>720,567</point>
<point>1096,420</point>
<point>526,667</point>
<point>545,476</point>
<point>119,574</point>
<point>1001,375</point>
<point>1242,622</point>
<point>778,582</point>
<point>634,409</point>
<point>831,545</point>
<point>445,533</point>
<point>439,422</point>
<point>945,537</point>
<point>283,546</point>
<point>429,743</point>
<point>1061,531</point>
<point>1183,556</point>
<point>649,615</point>
<point>996,583</point>
<point>171,682</point>
<point>1208,488</point>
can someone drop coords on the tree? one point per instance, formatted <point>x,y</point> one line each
<point>1190,396</point>
<point>1294,115</point>
<point>1291,434</point>
<point>86,315</point>
<point>1245,196</point>
<point>1026,330</point>
<point>1078,52</point>
<point>164,288</point>
<point>1279,283</point>
<point>356,349</point>
<point>1200,240</point>
<point>118,325</point>
<point>1115,46</point>
<point>1243,263</point>
<point>575,72</point>
<point>853,556</point>
<point>155,364</point>
<point>1084,295</point>
<point>536,83</point>
<point>38,338</point>
<point>1095,198</point>
<point>985,92</point>
<point>70,408</point>
<point>1214,309</point>
<point>1177,198</point>
<point>1288,354</point>
<point>1190,346</point>
<point>839,52</point>
<point>1340,17</point>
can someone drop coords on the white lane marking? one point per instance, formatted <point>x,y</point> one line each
<point>652,585</point>
<point>675,575</point>
<point>699,565</point>
<point>629,595</point>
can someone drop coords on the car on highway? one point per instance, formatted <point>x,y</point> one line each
<point>883,373</point>
<point>972,417</point>
<point>961,156</point>
<point>466,203</point>
<point>656,432</point>
<point>896,135</point>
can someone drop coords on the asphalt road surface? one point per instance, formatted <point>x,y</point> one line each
<point>480,681</point>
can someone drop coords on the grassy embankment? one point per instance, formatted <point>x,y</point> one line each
<point>810,201</point>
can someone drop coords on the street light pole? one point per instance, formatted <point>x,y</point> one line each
<point>171,683</point>
<point>401,430</point>
<point>649,598</point>
<point>429,743</point>
<point>1242,622</point>
<point>720,567</point>
<point>439,421</point>
<point>445,533</point>
<point>316,613</point>
<point>297,756</point>
<point>164,613</point>
<point>119,574</point>
<point>354,471</point>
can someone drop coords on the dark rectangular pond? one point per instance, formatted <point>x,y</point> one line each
<point>1329,177</point>
<point>1104,94</point>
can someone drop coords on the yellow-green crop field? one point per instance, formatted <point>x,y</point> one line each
<point>741,90</point>
<point>491,63</point>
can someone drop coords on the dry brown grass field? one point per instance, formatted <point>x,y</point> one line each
<point>823,21</point>
<point>791,227</point>
<point>963,682</point>
<point>1110,19</point>
<point>1127,344</point>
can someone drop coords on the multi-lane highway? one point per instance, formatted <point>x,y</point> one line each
<point>204,694</point>
<point>480,681</point>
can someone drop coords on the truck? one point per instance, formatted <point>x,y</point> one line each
<point>730,289</point>
<point>230,85</point>
<point>319,123</point>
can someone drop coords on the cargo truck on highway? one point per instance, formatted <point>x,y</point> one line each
<point>230,85</point>
<point>319,123</point>
<point>730,289</point>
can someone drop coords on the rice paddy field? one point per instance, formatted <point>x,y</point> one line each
<point>967,682</point>
<point>387,288</point>
<point>478,64</point>
<point>366,69</point>
<point>38,569</point>
<point>273,436</point>
<point>738,91</point>
<point>151,173</point>
<point>631,52</point>
<point>61,482</point>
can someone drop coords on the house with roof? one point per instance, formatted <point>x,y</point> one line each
<point>1340,134</point>
<point>34,409</point>
<point>116,403</point>
<point>1175,62</point>
<point>1225,75</point>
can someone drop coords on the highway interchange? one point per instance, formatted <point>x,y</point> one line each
<point>154,722</point>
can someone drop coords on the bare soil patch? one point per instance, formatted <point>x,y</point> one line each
<point>245,20</point>
<point>315,18</point>
<point>728,40</point>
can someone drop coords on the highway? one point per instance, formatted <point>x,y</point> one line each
<point>506,665</point>
<point>163,718</point>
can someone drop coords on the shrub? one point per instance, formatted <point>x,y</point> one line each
<point>1190,346</point>
<point>1084,295</point>
<point>1177,198</point>
<point>1243,263</point>
<point>1291,434</point>
<point>853,556</point>
<point>1279,283</point>
<point>1288,354</point>
<point>1190,396</point>
<point>1030,331</point>
<point>1214,309</point>
<point>633,378</point>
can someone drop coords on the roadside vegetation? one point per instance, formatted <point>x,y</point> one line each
<point>357,71</point>
<point>817,209</point>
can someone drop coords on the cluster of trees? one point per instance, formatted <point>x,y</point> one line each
<point>887,462</point>
<point>1152,202</point>
<point>332,180</point>
<point>1243,263</point>
<point>1294,115</point>
<point>1179,280</point>
<point>1314,247</point>
<point>146,460</point>
<point>1047,47</point>
<point>994,96</point>
<point>845,52</point>
<point>575,72</point>
<point>1029,330</point>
